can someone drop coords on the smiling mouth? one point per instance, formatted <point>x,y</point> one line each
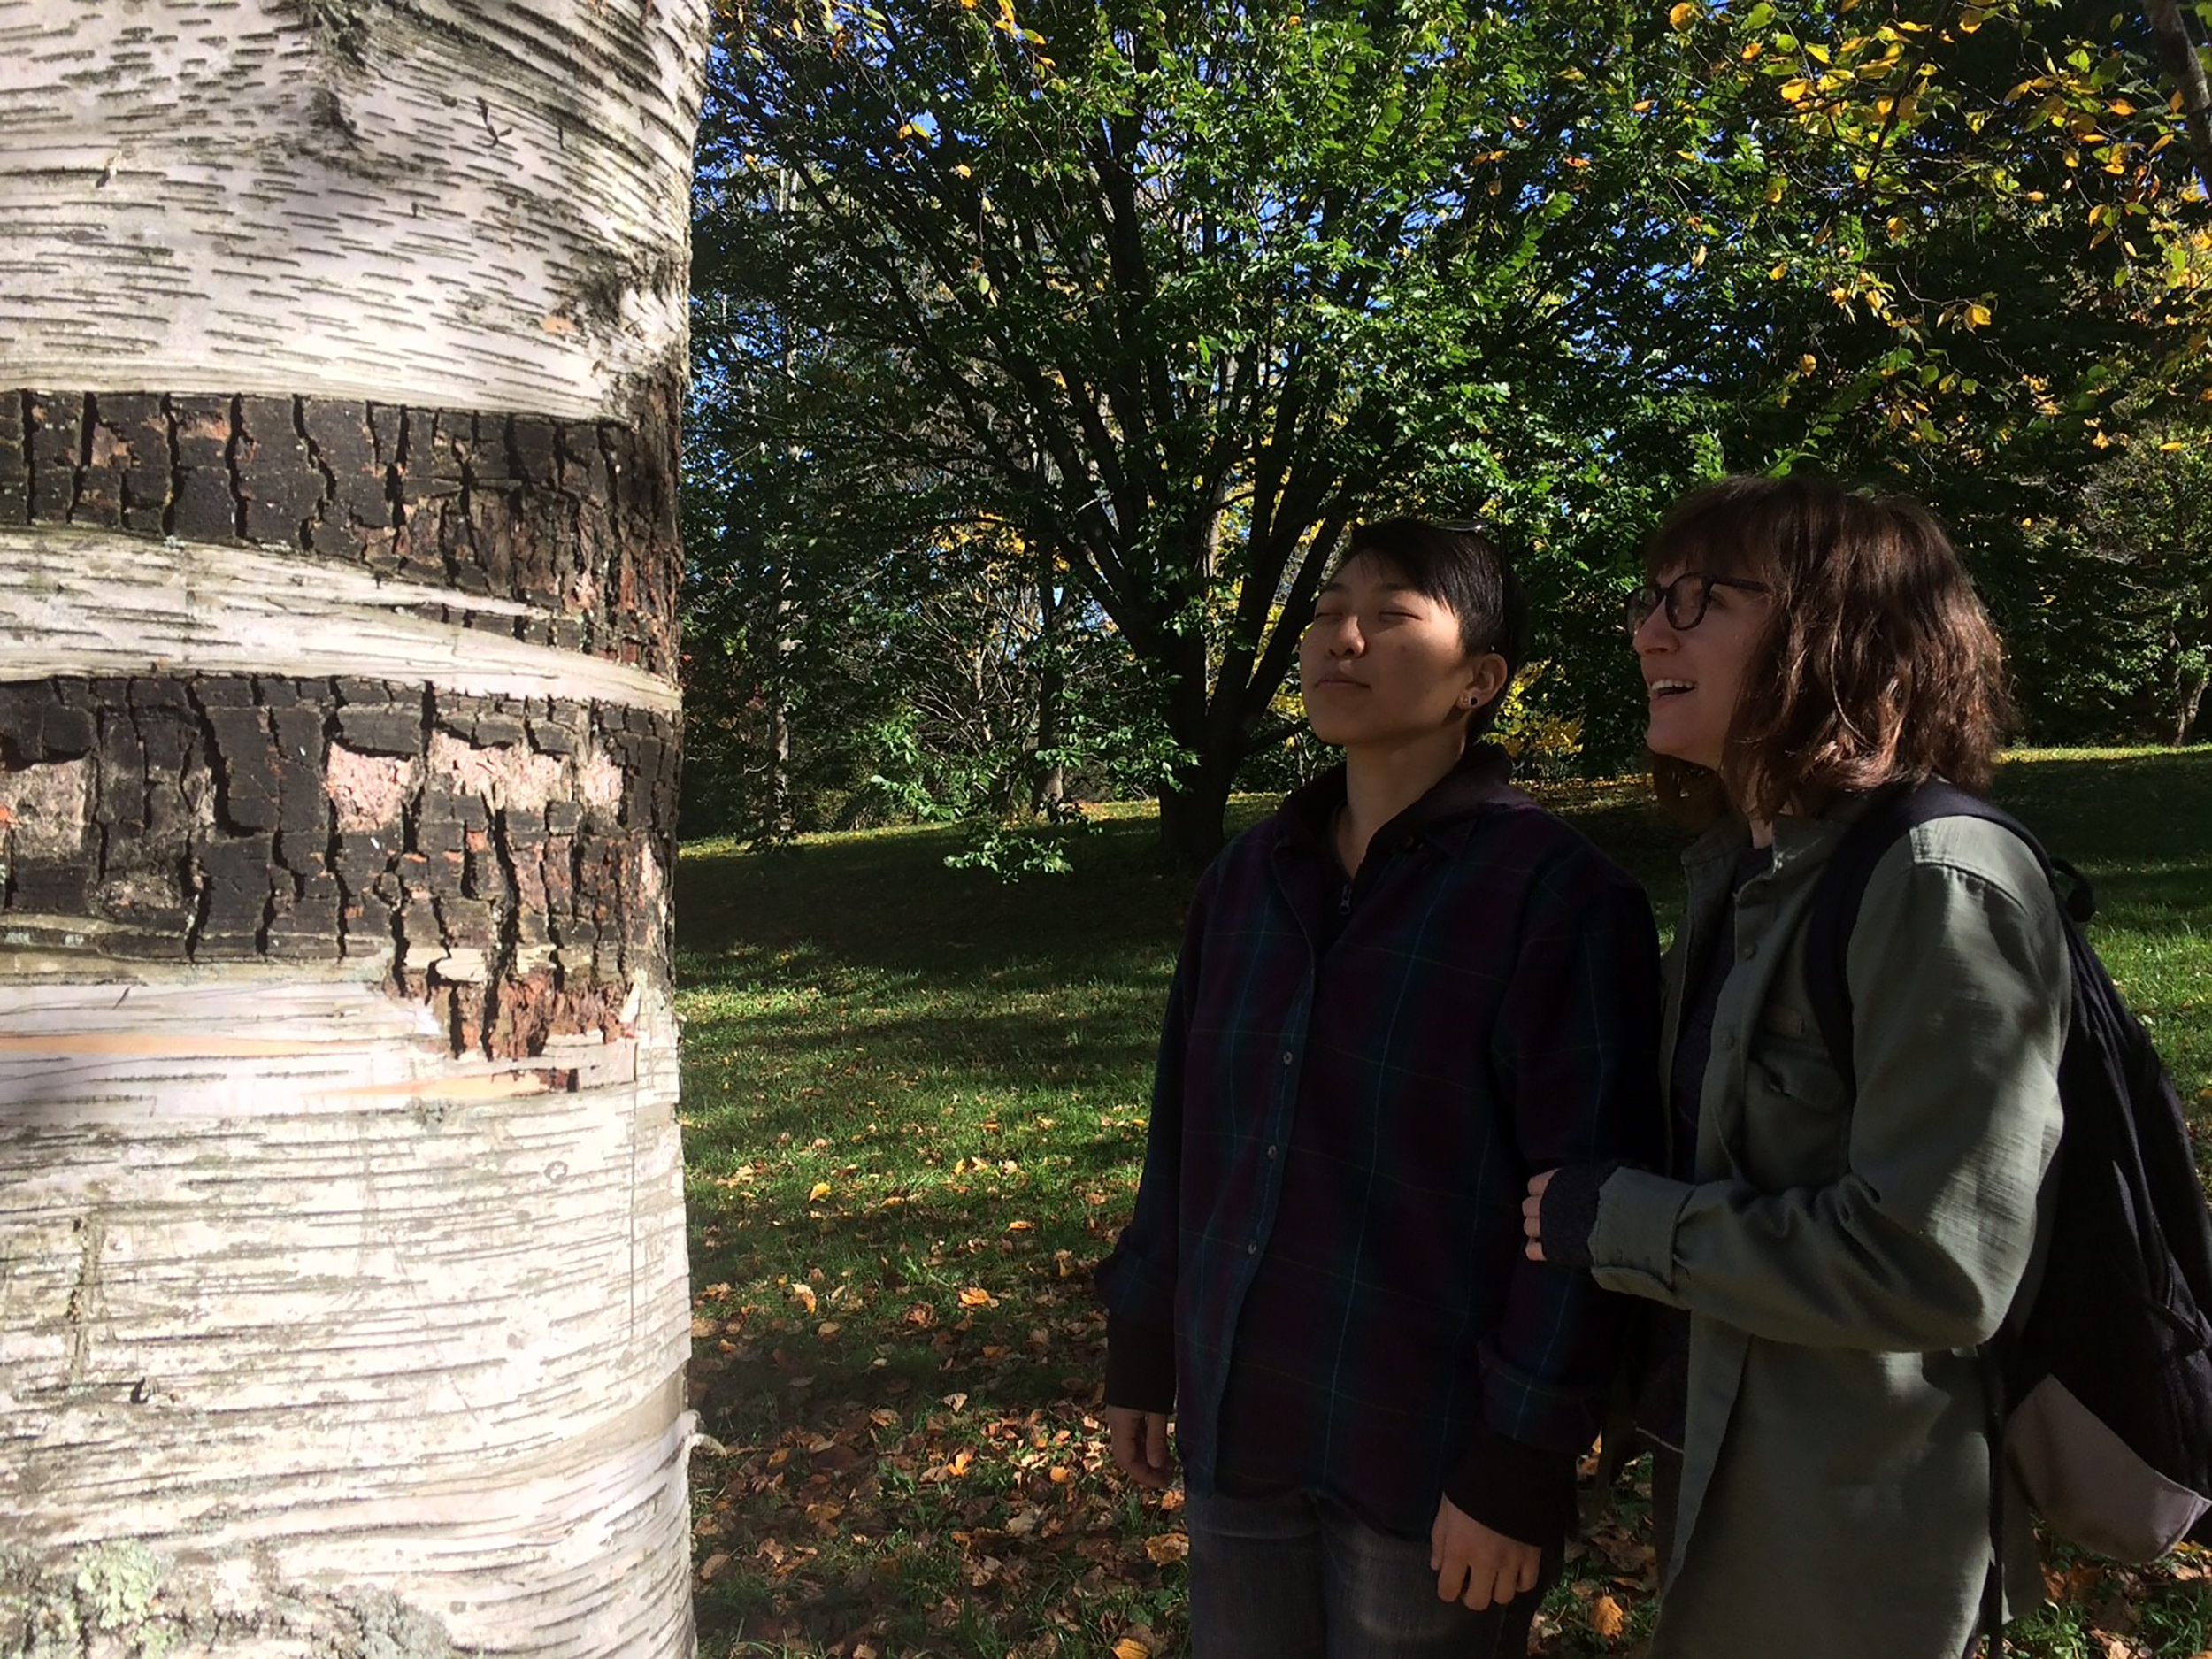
<point>1659,688</point>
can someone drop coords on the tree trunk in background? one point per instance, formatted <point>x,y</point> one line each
<point>2188,697</point>
<point>779,821</point>
<point>1049,782</point>
<point>342,1288</point>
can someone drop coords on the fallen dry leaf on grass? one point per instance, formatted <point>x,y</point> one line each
<point>1130,1647</point>
<point>1167,1547</point>
<point>1606,1618</point>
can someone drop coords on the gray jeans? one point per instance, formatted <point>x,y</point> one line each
<point>1297,1578</point>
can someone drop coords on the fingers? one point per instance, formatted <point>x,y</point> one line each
<point>1121,1440</point>
<point>1483,1590</point>
<point>1532,1217</point>
<point>1500,1582</point>
<point>1138,1440</point>
<point>1475,1565</point>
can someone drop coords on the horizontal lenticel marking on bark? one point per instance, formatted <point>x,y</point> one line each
<point>572,519</point>
<point>503,860</point>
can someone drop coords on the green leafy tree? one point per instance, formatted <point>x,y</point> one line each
<point>1185,291</point>
<point>2111,611</point>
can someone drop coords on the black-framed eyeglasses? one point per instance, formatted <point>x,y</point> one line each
<point>1686,598</point>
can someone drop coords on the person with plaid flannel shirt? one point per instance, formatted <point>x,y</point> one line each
<point>1398,997</point>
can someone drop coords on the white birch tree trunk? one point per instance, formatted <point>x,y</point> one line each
<point>343,1286</point>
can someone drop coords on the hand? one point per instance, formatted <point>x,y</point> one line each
<point>1475,1565</point>
<point>1532,1216</point>
<point>1138,1440</point>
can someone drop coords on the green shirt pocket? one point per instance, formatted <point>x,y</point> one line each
<point>1797,1115</point>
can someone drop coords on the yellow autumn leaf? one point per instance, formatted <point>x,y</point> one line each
<point>1795,91</point>
<point>1167,1547</point>
<point>821,1191</point>
<point>1607,1621</point>
<point>975,1296</point>
<point>1130,1647</point>
<point>1978,315</point>
<point>804,1294</point>
<point>1818,53</point>
<point>1684,14</point>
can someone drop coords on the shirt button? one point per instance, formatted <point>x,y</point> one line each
<point>1289,1059</point>
<point>1270,1152</point>
<point>1725,1039</point>
<point>1252,1249</point>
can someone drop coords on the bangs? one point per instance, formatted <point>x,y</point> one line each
<point>1734,527</point>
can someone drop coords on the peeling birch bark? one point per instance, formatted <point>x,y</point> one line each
<point>482,206</point>
<point>309,1305</point>
<point>78,603</point>
<point>342,1280</point>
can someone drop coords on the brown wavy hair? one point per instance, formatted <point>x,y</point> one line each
<point>1878,665</point>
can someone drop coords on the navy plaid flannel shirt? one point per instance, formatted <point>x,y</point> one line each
<point>1354,1084</point>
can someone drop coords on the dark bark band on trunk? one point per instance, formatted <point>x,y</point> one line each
<point>575,520</point>
<point>508,857</point>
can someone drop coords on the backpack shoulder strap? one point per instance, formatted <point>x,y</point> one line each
<point>1895,812</point>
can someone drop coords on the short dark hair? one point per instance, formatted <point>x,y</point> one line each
<point>1461,569</point>
<point>1878,665</point>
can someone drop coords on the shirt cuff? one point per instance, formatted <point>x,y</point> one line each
<point>1140,1365</point>
<point>1568,1214</point>
<point>1525,1492</point>
<point>1631,1247</point>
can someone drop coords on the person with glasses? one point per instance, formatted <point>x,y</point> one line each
<point>1398,995</point>
<point>1841,1251</point>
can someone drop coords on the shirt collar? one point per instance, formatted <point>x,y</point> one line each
<point>1479,780</point>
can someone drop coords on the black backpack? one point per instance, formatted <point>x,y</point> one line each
<point>2102,1383</point>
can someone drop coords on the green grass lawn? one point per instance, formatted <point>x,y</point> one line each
<point>914,1101</point>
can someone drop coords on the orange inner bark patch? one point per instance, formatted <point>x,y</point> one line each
<point>598,781</point>
<point>108,450</point>
<point>43,808</point>
<point>535,1007</point>
<point>507,775</point>
<point>369,791</point>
